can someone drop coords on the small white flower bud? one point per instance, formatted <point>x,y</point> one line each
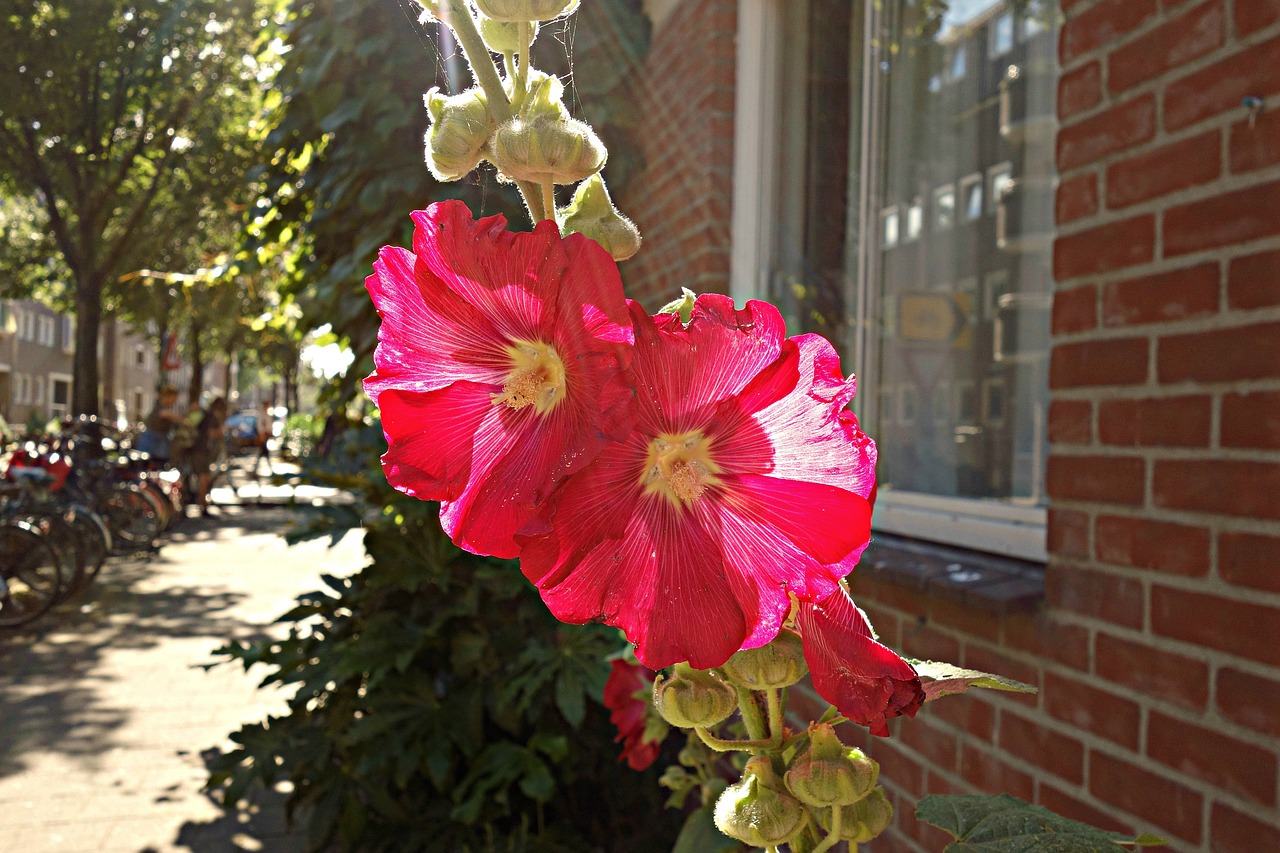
<point>547,150</point>
<point>460,130</point>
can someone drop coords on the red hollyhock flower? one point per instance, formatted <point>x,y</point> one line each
<point>866,681</point>
<point>743,482</point>
<point>498,367</point>
<point>626,695</point>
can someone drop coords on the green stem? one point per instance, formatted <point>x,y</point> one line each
<point>549,199</point>
<point>730,745</point>
<point>751,716</point>
<point>773,697</point>
<point>522,70</point>
<point>833,837</point>
<point>509,64</point>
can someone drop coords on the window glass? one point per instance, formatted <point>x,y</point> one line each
<point>946,326</point>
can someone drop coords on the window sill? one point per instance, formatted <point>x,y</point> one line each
<point>985,581</point>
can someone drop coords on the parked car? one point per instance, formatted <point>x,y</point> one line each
<point>242,430</point>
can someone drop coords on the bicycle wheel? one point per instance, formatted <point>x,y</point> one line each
<point>65,539</point>
<point>131,517</point>
<point>95,538</point>
<point>30,574</point>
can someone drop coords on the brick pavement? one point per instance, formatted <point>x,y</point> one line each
<point>104,713</point>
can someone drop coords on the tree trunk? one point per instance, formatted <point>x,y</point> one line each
<point>196,388</point>
<point>85,368</point>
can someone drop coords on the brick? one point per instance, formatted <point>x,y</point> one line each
<point>1251,16</point>
<point>1156,421</point>
<point>1117,361</point>
<point>1068,533</point>
<point>1105,479</point>
<point>1163,297</point>
<point>1068,806</point>
<point>1180,40</point>
<point>1079,90</point>
<point>1090,709</point>
<point>1161,546</point>
<point>1114,129</point>
<point>927,643</point>
<point>935,745</point>
<point>1070,421</point>
<point>1225,486</point>
<point>887,594</point>
<point>1249,700</point>
<point>971,715</point>
<point>1223,85</point>
<point>1251,420</point>
<point>1241,628</point>
<point>1197,751</point>
<point>1096,594</point>
<point>964,618</point>
<point>1113,246</point>
<point>1255,146</point>
<point>1249,559</point>
<point>988,659</point>
<point>988,773</point>
<point>1231,831</point>
<point>1220,355</point>
<point>1075,310</point>
<point>1056,753</point>
<point>1254,281</point>
<point>1152,797</point>
<point>1046,637</point>
<point>1224,220</point>
<point>1171,677</point>
<point>1101,25</point>
<point>1076,197</point>
<point>1185,163</point>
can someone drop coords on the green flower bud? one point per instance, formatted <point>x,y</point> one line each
<point>504,36</point>
<point>864,820</point>
<point>460,129</point>
<point>592,214</point>
<point>526,10</point>
<point>758,811</point>
<point>779,664</point>
<point>434,9</point>
<point>546,150</point>
<point>545,98</point>
<point>694,698</point>
<point>829,773</point>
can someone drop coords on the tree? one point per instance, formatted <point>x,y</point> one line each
<point>129,129</point>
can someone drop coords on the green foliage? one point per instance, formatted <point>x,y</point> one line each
<point>946,679</point>
<point>437,704</point>
<point>1006,824</point>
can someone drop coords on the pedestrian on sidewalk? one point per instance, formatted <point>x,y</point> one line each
<point>266,431</point>
<point>208,450</point>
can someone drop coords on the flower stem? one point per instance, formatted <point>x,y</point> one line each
<point>751,716</point>
<point>522,70</point>
<point>720,745</point>
<point>773,697</point>
<point>833,837</point>
<point>549,199</point>
<point>486,75</point>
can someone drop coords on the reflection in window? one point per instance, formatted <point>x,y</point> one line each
<point>1002,34</point>
<point>915,220</point>
<point>889,230</point>
<point>971,196</point>
<point>944,208</point>
<point>1000,178</point>
<point>958,62</point>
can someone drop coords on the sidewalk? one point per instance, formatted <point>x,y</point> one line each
<point>104,713</point>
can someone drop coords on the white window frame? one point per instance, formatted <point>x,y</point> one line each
<point>993,49</point>
<point>994,193</point>
<point>966,184</point>
<point>1012,528</point>
<point>939,194</point>
<point>56,408</point>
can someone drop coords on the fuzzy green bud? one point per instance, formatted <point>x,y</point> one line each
<point>592,214</point>
<point>545,98</point>
<point>432,9</point>
<point>864,820</point>
<point>829,773</point>
<point>694,698</point>
<point>504,36</point>
<point>547,150</point>
<point>514,11</point>
<point>779,664</point>
<point>758,810</point>
<point>460,129</point>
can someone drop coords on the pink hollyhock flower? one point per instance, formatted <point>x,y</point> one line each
<point>743,482</point>
<point>627,695</point>
<point>499,367</point>
<point>866,681</point>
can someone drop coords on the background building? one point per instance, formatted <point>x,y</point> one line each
<point>1046,236</point>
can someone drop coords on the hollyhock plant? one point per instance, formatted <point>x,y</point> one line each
<point>626,695</point>
<point>499,367</point>
<point>865,681</point>
<point>743,482</point>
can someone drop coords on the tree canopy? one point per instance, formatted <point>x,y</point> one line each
<point>127,131</point>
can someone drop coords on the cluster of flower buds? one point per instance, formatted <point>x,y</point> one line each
<point>518,121</point>
<point>810,797</point>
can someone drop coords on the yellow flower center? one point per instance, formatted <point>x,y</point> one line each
<point>536,378</point>
<point>679,467</point>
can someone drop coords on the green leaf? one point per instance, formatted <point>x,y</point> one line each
<point>945,679</point>
<point>1006,824</point>
<point>700,835</point>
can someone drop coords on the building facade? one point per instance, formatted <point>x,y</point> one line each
<point>1046,236</point>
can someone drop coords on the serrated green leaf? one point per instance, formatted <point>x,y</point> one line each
<point>700,835</point>
<point>944,679</point>
<point>1006,824</point>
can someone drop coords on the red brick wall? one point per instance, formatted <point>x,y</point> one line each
<point>1158,652</point>
<point>681,200</point>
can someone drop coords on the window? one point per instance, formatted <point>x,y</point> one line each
<point>139,355</point>
<point>944,208</point>
<point>37,390</point>
<point>914,300</point>
<point>47,328</point>
<point>59,393</point>
<point>68,333</point>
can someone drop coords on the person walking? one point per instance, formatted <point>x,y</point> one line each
<point>266,431</point>
<point>159,425</point>
<point>208,450</point>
